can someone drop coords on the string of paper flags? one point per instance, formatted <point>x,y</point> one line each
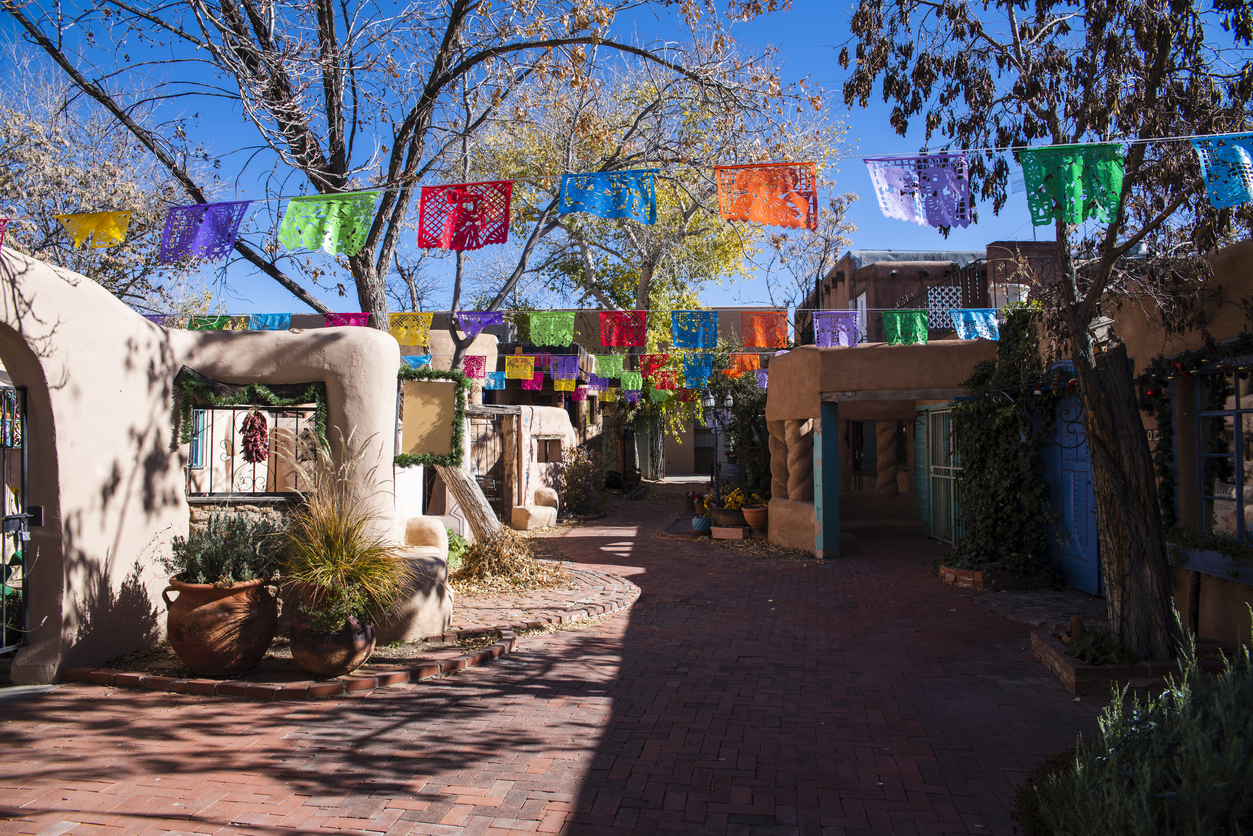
<point>1073,182</point>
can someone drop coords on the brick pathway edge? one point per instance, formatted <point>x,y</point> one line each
<point>355,685</point>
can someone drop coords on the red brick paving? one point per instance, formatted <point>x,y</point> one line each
<point>738,696</point>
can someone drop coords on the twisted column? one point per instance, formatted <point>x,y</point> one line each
<point>885,458</point>
<point>778,460</point>
<point>799,436</point>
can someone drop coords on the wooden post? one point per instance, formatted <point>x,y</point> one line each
<point>469,496</point>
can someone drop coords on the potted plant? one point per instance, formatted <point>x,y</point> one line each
<point>727,514</point>
<point>225,615</point>
<point>340,559</point>
<point>756,513</point>
<point>700,518</point>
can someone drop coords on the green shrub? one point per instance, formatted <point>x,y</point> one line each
<point>229,549</point>
<point>457,546</point>
<point>1172,764</point>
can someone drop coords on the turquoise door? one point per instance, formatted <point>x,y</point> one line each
<point>1069,472</point>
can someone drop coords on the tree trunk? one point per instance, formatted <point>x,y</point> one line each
<point>1129,523</point>
<point>469,496</point>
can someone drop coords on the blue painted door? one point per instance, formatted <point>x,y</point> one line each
<point>922,477</point>
<point>1074,548</point>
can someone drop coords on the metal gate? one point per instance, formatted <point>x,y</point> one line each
<point>943,467</point>
<point>487,462</point>
<point>17,519</point>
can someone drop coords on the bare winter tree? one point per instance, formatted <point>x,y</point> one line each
<point>342,96</point>
<point>1017,73</point>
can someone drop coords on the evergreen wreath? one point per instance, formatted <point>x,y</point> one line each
<point>452,459</point>
<point>191,387</point>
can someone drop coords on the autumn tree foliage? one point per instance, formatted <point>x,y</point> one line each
<point>1143,72</point>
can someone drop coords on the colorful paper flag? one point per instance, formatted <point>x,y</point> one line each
<point>1227,167</point>
<point>580,393</point>
<point>519,367</point>
<point>905,327</point>
<point>535,384</point>
<point>623,328</point>
<point>347,320</point>
<point>775,194</point>
<point>472,365</point>
<point>832,328</point>
<point>650,363</point>
<point>205,231</point>
<point>694,329</point>
<point>631,381</point>
<point>208,323</point>
<point>741,363</point>
<point>555,328</point>
<point>269,322</point>
<point>416,361</point>
<point>763,330</point>
<point>473,322</point>
<point>1073,182</point>
<point>98,229</point>
<point>565,368</point>
<point>763,378</point>
<point>665,379</point>
<point>611,194</point>
<point>631,395</point>
<point>411,328</point>
<point>697,368</point>
<point>930,189</point>
<point>334,223</point>
<point>563,384</point>
<point>495,380</point>
<point>464,216</point>
<point>976,322</point>
<point>609,365</point>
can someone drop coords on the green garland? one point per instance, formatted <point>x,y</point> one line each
<point>189,387</point>
<point>1158,373</point>
<point>452,459</point>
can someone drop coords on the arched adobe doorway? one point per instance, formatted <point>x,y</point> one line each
<point>100,384</point>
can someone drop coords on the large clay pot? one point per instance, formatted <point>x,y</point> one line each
<point>220,632</point>
<point>728,519</point>
<point>755,515</point>
<point>331,654</point>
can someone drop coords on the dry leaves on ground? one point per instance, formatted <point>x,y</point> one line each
<point>763,550</point>
<point>508,562</point>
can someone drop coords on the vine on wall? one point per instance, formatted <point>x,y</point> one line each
<point>999,434</point>
<point>1159,373</point>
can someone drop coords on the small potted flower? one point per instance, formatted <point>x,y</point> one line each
<point>728,514</point>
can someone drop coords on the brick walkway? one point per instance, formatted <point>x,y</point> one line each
<point>738,696</point>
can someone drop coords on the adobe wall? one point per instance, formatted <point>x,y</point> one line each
<point>100,381</point>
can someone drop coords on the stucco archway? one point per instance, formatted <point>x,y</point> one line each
<point>99,381</point>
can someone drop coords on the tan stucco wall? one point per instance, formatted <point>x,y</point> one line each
<point>681,452</point>
<point>542,421</point>
<point>100,381</point>
<point>427,422</point>
<point>799,378</point>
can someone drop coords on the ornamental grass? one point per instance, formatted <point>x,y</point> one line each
<point>338,551</point>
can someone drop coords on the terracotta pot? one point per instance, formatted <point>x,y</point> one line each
<point>755,515</point>
<point>220,632</point>
<point>728,519</point>
<point>331,654</point>
<point>691,503</point>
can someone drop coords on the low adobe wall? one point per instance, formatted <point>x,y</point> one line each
<point>100,393</point>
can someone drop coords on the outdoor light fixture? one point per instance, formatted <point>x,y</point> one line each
<point>708,400</point>
<point>727,402</point>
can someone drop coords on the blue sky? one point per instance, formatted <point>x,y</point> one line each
<point>808,37</point>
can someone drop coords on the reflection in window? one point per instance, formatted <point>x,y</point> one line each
<point>1225,454</point>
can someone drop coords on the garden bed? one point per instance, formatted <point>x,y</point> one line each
<point>1099,680</point>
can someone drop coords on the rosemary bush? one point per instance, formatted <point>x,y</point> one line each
<point>230,549</point>
<point>1172,764</point>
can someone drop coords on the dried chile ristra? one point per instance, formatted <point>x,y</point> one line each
<point>256,437</point>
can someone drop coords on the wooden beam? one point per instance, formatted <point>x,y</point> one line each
<point>895,395</point>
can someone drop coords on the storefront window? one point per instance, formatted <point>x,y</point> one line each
<point>1225,448</point>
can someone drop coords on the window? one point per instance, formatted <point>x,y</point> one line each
<point>1224,421</point>
<point>548,450</point>
<point>195,456</point>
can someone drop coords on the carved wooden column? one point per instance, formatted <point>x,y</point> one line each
<point>778,460</point>
<point>799,436</point>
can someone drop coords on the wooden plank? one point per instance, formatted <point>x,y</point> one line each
<point>895,395</point>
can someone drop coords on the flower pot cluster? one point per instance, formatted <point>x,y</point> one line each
<point>735,506</point>
<point>330,551</point>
